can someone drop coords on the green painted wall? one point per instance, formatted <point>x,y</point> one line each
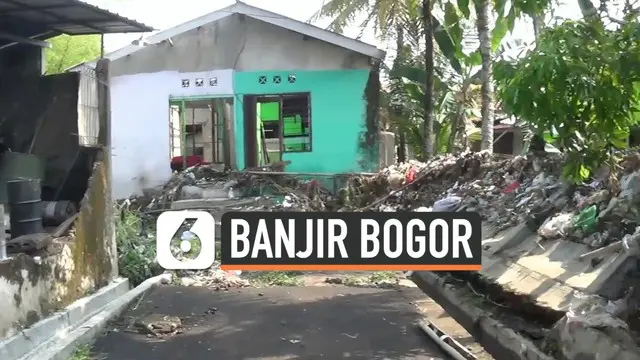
<point>338,113</point>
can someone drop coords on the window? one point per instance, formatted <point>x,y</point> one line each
<point>191,129</point>
<point>288,118</point>
<point>270,117</point>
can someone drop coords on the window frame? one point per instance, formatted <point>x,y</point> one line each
<point>280,98</point>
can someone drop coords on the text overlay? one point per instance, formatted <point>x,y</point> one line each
<point>351,241</point>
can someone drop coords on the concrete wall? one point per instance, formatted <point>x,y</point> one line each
<point>338,113</point>
<point>242,44</point>
<point>30,290</point>
<point>140,124</point>
<point>387,149</point>
<point>47,108</point>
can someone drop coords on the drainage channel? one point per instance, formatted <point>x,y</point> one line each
<point>509,326</point>
<point>453,348</point>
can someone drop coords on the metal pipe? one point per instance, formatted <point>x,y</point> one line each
<point>424,325</point>
<point>3,235</point>
<point>16,42</point>
<point>25,40</point>
<point>613,247</point>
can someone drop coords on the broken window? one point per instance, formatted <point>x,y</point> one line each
<point>270,118</point>
<point>296,123</point>
<point>191,129</point>
<point>288,119</point>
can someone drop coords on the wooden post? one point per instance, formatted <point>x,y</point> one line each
<point>3,235</point>
<point>183,133</point>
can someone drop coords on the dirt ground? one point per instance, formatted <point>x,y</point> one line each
<point>316,321</point>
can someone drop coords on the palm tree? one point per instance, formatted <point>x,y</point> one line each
<point>483,14</point>
<point>428,84</point>
<point>385,16</point>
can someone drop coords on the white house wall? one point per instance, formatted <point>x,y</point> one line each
<point>240,43</point>
<point>214,83</point>
<point>140,134</point>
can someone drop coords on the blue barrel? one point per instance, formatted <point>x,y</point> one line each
<point>25,206</point>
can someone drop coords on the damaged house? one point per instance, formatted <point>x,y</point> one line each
<point>54,173</point>
<point>242,87</point>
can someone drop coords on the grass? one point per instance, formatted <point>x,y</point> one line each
<point>377,277</point>
<point>136,252</point>
<point>84,352</point>
<point>276,278</point>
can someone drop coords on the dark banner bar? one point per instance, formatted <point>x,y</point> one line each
<point>346,240</point>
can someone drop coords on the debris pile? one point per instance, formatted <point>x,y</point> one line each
<point>502,190</point>
<point>506,191</point>
<point>511,191</point>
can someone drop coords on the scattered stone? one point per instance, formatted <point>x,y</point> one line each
<point>159,325</point>
<point>211,310</point>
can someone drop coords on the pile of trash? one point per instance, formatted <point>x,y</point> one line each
<point>508,191</point>
<point>204,182</point>
<point>505,190</point>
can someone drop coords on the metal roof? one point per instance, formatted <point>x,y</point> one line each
<point>42,19</point>
<point>257,13</point>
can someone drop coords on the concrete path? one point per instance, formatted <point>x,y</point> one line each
<point>333,322</point>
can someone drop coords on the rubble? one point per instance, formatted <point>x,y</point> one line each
<point>505,190</point>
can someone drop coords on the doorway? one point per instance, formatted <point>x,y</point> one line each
<point>199,132</point>
<point>275,125</point>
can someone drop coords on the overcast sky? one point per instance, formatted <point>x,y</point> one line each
<point>162,14</point>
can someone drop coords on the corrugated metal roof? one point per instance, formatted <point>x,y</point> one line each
<point>41,19</point>
<point>259,14</point>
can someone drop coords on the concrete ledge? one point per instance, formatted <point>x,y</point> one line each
<point>499,341</point>
<point>61,343</point>
<point>20,344</point>
<point>549,271</point>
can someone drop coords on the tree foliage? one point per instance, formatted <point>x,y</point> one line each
<point>580,88</point>
<point>67,51</point>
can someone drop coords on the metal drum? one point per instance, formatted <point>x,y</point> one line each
<point>16,166</point>
<point>25,206</point>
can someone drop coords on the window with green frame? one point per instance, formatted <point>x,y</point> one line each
<point>288,117</point>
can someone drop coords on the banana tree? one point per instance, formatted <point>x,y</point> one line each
<point>455,104</point>
<point>489,41</point>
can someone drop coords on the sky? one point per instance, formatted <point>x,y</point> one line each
<point>162,14</point>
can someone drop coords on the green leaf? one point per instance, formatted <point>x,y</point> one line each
<point>620,138</point>
<point>548,137</point>
<point>446,45</point>
<point>511,17</point>
<point>463,5</point>
<point>474,59</point>
<point>499,32</point>
<point>499,6</point>
<point>584,172</point>
<point>452,23</point>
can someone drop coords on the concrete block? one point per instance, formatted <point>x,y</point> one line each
<point>499,341</point>
<point>63,343</point>
<point>20,344</point>
<point>550,271</point>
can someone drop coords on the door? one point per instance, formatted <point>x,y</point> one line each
<point>175,131</point>
<point>250,126</point>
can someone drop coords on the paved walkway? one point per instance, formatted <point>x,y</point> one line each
<point>333,322</point>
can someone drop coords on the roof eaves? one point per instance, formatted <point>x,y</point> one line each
<point>174,31</point>
<point>131,22</point>
<point>256,13</point>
